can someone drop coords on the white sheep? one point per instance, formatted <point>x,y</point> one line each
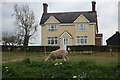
<point>58,54</point>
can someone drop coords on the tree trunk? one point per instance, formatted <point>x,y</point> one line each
<point>26,40</point>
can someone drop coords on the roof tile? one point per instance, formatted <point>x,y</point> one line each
<point>69,17</point>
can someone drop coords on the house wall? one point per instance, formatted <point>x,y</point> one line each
<point>71,29</point>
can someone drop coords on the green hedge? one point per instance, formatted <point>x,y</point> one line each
<point>30,48</point>
<point>52,48</point>
<point>60,69</point>
<point>94,48</point>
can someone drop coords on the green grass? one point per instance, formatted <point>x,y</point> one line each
<point>94,66</point>
<point>60,69</point>
<point>7,56</point>
<point>99,57</point>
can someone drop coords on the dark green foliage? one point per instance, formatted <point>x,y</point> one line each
<point>83,52</point>
<point>29,48</point>
<point>27,60</point>
<point>94,48</point>
<point>60,69</point>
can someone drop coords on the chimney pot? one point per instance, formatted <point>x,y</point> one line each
<point>93,6</point>
<point>45,5</point>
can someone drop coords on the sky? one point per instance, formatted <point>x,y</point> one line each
<point>107,12</point>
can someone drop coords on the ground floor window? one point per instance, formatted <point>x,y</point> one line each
<point>82,39</point>
<point>52,40</point>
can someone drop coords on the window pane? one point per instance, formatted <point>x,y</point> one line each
<point>48,41</point>
<point>81,41</point>
<point>55,41</point>
<point>52,41</point>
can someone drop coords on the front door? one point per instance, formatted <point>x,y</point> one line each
<point>65,43</point>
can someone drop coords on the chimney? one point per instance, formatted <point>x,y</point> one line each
<point>117,32</point>
<point>45,5</point>
<point>93,6</point>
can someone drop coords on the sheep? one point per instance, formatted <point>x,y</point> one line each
<point>58,54</point>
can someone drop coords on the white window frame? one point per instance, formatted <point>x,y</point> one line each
<point>82,27</point>
<point>66,42</point>
<point>52,27</point>
<point>82,40</point>
<point>54,39</point>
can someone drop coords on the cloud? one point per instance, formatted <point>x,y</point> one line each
<point>119,16</point>
<point>108,19</point>
<point>59,0</point>
<point>68,6</point>
<point>0,20</point>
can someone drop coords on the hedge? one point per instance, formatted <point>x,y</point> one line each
<point>30,48</point>
<point>72,48</point>
<point>94,48</point>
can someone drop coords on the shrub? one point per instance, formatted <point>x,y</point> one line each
<point>87,52</point>
<point>83,52</point>
<point>27,60</point>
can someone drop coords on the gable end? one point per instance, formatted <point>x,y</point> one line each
<point>51,19</point>
<point>65,32</point>
<point>79,18</point>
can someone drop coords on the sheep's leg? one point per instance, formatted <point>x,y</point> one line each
<point>46,59</point>
<point>66,58</point>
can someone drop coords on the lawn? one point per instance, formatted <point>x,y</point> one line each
<point>83,70</point>
<point>99,57</point>
<point>31,65</point>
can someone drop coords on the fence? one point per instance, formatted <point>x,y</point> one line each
<point>52,48</point>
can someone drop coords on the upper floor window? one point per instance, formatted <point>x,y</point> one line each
<point>82,26</point>
<point>82,39</point>
<point>52,27</point>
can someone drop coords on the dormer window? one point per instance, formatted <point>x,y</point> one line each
<point>52,27</point>
<point>82,26</point>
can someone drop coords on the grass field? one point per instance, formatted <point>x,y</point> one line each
<point>97,66</point>
<point>99,57</point>
<point>41,70</point>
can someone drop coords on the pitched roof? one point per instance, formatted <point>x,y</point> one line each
<point>114,39</point>
<point>69,17</point>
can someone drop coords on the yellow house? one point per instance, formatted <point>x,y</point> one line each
<point>70,28</point>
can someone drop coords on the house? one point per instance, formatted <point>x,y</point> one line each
<point>70,28</point>
<point>114,39</point>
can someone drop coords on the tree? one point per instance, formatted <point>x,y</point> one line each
<point>5,38</point>
<point>9,38</point>
<point>25,22</point>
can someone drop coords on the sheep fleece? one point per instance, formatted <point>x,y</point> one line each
<point>58,54</point>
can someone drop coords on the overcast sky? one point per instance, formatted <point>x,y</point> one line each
<point>107,13</point>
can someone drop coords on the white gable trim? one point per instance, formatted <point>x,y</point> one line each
<point>82,16</point>
<point>65,32</point>
<point>50,18</point>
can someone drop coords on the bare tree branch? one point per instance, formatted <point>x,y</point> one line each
<point>25,21</point>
